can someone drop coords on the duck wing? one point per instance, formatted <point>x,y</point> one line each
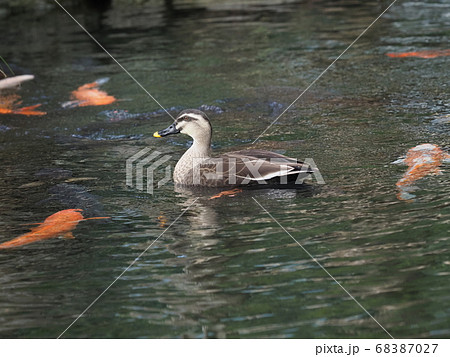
<point>247,167</point>
<point>260,154</point>
<point>259,165</point>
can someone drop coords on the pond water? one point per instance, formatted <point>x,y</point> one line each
<point>225,268</point>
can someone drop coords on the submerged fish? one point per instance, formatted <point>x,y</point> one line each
<point>229,193</point>
<point>422,160</point>
<point>420,54</point>
<point>90,94</point>
<point>9,105</point>
<point>59,224</point>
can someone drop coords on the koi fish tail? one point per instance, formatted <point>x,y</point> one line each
<point>17,242</point>
<point>29,110</point>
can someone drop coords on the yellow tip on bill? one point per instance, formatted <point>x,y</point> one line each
<point>156,135</point>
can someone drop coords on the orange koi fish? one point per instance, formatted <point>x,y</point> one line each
<point>90,94</point>
<point>59,224</point>
<point>9,104</point>
<point>422,160</point>
<point>229,193</point>
<point>420,54</point>
<point>162,221</point>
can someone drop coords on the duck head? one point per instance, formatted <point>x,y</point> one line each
<point>191,122</point>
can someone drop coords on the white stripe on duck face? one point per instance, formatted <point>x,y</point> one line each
<point>191,115</point>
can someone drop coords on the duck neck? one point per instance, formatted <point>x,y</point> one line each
<point>200,149</point>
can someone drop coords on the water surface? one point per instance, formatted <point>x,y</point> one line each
<point>225,268</point>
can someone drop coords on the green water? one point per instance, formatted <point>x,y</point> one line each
<point>225,268</point>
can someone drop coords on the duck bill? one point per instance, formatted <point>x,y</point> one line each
<point>168,131</point>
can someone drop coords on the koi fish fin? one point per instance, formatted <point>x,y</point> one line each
<point>420,54</point>
<point>68,235</point>
<point>29,110</point>
<point>405,196</point>
<point>400,161</point>
<point>88,86</point>
<point>71,104</point>
<point>229,193</point>
<point>17,242</point>
<point>94,84</point>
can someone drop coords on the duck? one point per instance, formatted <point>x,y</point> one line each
<point>197,166</point>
